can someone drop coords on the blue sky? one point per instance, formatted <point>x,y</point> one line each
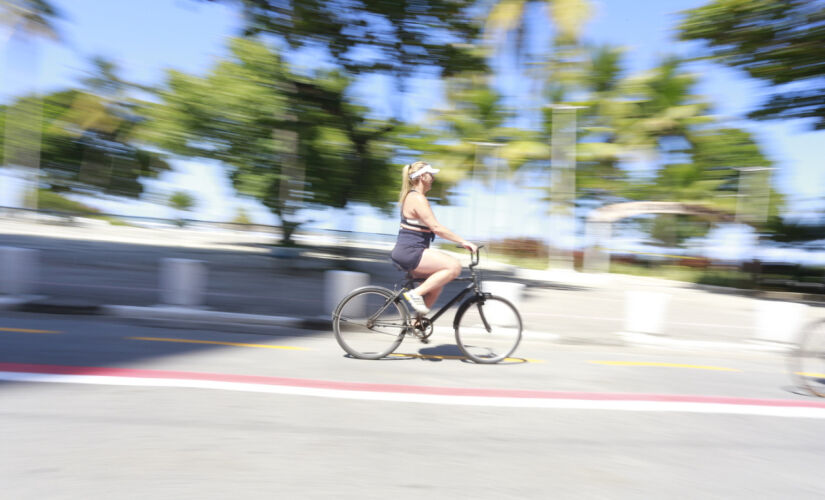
<point>150,36</point>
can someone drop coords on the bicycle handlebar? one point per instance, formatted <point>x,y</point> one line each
<point>474,256</point>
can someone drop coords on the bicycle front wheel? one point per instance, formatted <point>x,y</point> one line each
<point>488,330</point>
<point>808,361</point>
<point>368,324</point>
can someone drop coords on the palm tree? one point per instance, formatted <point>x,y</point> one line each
<point>508,17</point>
<point>30,18</point>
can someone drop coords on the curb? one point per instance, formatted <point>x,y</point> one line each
<point>190,316</point>
<point>195,314</point>
<point>16,302</point>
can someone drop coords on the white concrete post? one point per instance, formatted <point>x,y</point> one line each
<point>645,312</point>
<point>777,321</point>
<point>182,282</point>
<point>497,313</point>
<point>18,270</point>
<point>337,284</point>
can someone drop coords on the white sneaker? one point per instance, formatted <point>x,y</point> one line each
<point>416,302</point>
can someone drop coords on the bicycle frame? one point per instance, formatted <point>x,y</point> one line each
<point>473,287</point>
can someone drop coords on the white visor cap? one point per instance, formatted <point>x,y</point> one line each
<point>427,169</point>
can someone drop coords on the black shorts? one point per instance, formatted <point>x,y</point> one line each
<point>410,247</point>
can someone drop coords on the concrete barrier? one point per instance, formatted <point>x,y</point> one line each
<point>497,313</point>
<point>337,284</point>
<point>18,270</point>
<point>778,321</point>
<point>645,312</point>
<point>182,282</point>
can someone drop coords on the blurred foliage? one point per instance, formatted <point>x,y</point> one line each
<point>33,18</point>
<point>49,200</point>
<point>510,17</point>
<point>796,231</point>
<point>294,137</point>
<point>654,118</point>
<point>181,200</point>
<point>468,139</point>
<point>394,37</point>
<point>86,142</point>
<point>241,217</point>
<point>672,230</point>
<point>777,41</point>
<point>520,247</point>
<point>711,275</point>
<point>289,139</point>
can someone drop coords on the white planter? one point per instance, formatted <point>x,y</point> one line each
<point>645,312</point>
<point>182,282</point>
<point>337,284</point>
<point>497,313</point>
<point>18,270</point>
<point>777,321</point>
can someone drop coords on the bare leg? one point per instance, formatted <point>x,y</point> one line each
<point>440,269</point>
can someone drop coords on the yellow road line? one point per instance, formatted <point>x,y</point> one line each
<point>666,365</point>
<point>26,330</point>
<point>214,342</point>
<point>434,356</point>
<point>810,374</point>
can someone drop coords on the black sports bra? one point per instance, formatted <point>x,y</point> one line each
<point>412,222</point>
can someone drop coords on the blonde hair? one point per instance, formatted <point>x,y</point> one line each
<point>406,184</point>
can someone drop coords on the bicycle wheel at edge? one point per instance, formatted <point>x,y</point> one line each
<point>808,360</point>
<point>366,326</point>
<point>476,341</point>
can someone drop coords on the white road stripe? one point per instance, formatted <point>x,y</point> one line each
<point>515,402</point>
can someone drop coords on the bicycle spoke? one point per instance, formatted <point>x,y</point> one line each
<point>368,325</point>
<point>489,331</point>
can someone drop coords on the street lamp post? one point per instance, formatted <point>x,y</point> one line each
<point>562,184</point>
<point>473,212</point>
<point>753,196</point>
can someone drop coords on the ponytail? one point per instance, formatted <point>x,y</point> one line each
<point>405,183</point>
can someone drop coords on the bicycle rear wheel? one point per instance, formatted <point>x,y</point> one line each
<point>808,361</point>
<point>368,324</point>
<point>488,329</point>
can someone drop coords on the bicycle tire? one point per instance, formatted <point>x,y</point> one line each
<point>808,359</point>
<point>488,329</point>
<point>367,324</point>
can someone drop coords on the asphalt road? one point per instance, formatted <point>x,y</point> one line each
<point>182,413</point>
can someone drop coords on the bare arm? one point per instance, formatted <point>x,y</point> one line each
<point>423,212</point>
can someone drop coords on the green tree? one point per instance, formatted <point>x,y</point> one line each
<point>512,17</point>
<point>390,38</point>
<point>83,143</point>
<point>777,41</point>
<point>287,139</point>
<point>656,116</point>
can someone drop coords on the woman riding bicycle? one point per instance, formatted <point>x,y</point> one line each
<point>419,226</point>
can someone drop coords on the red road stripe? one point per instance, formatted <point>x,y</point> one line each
<point>397,388</point>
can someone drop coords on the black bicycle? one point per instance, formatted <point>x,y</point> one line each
<point>808,359</point>
<point>372,321</point>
